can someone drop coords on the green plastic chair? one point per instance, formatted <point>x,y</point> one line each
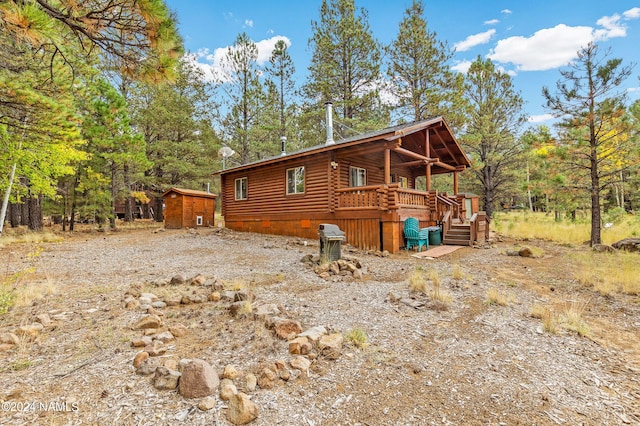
<point>415,236</point>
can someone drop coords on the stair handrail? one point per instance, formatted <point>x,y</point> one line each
<point>446,222</point>
<point>473,228</point>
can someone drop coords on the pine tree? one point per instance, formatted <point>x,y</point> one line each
<point>419,69</point>
<point>490,138</point>
<point>114,147</point>
<point>281,70</point>
<point>245,96</point>
<point>345,68</point>
<point>176,120</point>
<point>591,104</point>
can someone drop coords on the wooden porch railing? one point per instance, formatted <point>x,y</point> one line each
<point>446,204</point>
<point>389,197</point>
<point>373,197</point>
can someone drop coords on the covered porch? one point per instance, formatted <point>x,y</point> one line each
<point>411,154</point>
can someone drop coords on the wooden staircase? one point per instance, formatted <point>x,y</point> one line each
<point>459,234</point>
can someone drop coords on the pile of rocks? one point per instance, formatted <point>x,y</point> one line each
<point>28,332</point>
<point>335,270</point>
<point>196,378</point>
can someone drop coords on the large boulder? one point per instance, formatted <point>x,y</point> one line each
<point>198,380</point>
<point>628,244</point>
<point>241,409</point>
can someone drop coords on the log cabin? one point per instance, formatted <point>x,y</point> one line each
<point>365,184</point>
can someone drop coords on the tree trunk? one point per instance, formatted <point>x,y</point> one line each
<point>24,214</point>
<point>114,193</point>
<point>35,213</point>
<point>14,215</point>
<point>72,213</point>
<point>489,192</point>
<point>621,190</point>
<point>128,201</point>
<point>596,237</point>
<point>157,209</point>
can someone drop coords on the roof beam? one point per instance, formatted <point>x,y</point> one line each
<point>411,154</point>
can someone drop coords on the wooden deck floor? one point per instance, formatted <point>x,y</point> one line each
<point>436,251</point>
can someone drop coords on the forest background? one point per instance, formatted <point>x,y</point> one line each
<point>102,110</point>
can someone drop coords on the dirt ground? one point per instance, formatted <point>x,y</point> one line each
<point>470,363</point>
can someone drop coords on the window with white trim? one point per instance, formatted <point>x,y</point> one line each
<point>295,180</point>
<point>357,176</point>
<point>402,181</point>
<point>241,188</point>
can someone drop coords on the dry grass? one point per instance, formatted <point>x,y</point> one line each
<point>572,318</point>
<point>495,297</point>
<point>548,317</point>
<point>357,337</point>
<point>21,236</point>
<point>441,298</point>
<point>530,225</point>
<point>457,273</point>
<point>418,281</point>
<point>608,273</point>
<point>30,292</point>
<point>18,290</point>
<point>429,283</point>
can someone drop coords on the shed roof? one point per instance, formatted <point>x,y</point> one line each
<point>191,192</point>
<point>446,140</point>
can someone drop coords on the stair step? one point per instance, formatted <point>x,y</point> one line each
<point>455,233</point>
<point>456,241</point>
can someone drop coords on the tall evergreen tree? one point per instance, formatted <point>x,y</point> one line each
<point>490,138</point>
<point>176,120</point>
<point>281,70</point>
<point>45,44</point>
<point>345,68</point>
<point>141,33</point>
<point>114,147</point>
<point>591,104</point>
<point>419,69</point>
<point>245,96</point>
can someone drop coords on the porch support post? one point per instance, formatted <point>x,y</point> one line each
<point>455,183</point>
<point>427,151</point>
<point>387,166</point>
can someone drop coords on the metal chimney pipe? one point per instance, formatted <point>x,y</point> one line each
<point>329,123</point>
<point>283,145</point>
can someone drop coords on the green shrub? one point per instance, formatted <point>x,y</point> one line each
<point>7,298</point>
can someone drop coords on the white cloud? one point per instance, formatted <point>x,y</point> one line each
<point>633,13</point>
<point>506,11</point>
<point>540,118</point>
<point>612,28</point>
<point>213,64</point>
<point>546,49</point>
<point>462,66</point>
<point>265,47</point>
<point>474,40</point>
<point>555,47</point>
<point>491,22</point>
<point>248,23</point>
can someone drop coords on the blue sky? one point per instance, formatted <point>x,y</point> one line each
<point>531,40</point>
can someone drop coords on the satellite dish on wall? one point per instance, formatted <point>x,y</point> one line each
<point>225,152</point>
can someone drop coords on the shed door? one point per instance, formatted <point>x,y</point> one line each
<point>198,210</point>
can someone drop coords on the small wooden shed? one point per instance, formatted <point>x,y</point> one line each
<point>187,208</point>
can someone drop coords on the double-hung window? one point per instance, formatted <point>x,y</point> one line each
<point>241,188</point>
<point>357,176</point>
<point>295,180</point>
